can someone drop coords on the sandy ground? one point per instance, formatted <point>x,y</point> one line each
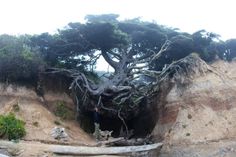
<point>218,148</point>
<point>32,111</point>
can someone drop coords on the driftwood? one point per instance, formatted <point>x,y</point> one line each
<point>2,155</point>
<point>131,142</point>
<point>109,142</point>
<point>72,150</point>
<point>79,150</point>
<point>121,141</point>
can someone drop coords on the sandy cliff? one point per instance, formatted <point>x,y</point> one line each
<point>199,119</point>
<point>38,116</point>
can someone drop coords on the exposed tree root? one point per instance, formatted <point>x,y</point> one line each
<point>120,96</point>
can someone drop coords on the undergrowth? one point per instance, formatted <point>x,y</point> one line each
<point>11,127</point>
<point>63,111</point>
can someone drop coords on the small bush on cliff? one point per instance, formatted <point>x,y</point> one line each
<point>63,111</point>
<point>16,108</point>
<point>11,127</point>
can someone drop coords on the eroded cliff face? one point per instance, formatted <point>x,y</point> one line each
<point>38,114</point>
<point>199,113</point>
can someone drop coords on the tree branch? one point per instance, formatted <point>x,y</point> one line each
<point>116,55</point>
<point>164,48</point>
<point>109,60</point>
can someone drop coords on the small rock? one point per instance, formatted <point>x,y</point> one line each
<point>59,133</point>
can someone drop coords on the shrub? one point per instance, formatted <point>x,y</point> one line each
<point>57,122</point>
<point>63,111</point>
<point>18,62</point>
<point>11,127</point>
<point>16,108</point>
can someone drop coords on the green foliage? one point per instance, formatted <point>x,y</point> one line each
<point>102,18</point>
<point>11,127</point>
<point>17,61</point>
<point>75,46</point>
<point>63,111</point>
<point>230,53</point>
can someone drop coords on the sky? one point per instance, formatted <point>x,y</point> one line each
<point>38,16</point>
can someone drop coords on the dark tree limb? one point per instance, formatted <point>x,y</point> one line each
<point>109,60</point>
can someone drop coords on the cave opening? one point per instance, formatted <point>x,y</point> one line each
<point>139,126</point>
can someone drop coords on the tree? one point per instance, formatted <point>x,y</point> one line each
<point>181,46</point>
<point>111,18</point>
<point>206,44</point>
<point>46,44</point>
<point>203,42</point>
<point>230,52</point>
<point>132,47</point>
<point>128,52</point>
<point>17,61</point>
<point>127,46</point>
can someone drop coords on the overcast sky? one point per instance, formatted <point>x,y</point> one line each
<point>37,16</point>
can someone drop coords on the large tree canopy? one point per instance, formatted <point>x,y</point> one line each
<point>77,45</point>
<point>134,48</point>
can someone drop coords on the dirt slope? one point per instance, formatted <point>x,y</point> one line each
<point>39,120</point>
<point>200,115</point>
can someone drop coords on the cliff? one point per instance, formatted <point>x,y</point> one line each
<point>199,118</point>
<point>39,115</point>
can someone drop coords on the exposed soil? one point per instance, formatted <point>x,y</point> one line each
<point>39,120</point>
<point>200,112</point>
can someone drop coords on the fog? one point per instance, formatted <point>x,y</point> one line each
<point>37,16</point>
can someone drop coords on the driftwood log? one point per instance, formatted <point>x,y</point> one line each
<point>131,142</point>
<point>125,142</point>
<point>110,142</point>
<point>79,150</point>
<point>2,155</point>
<point>73,150</point>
